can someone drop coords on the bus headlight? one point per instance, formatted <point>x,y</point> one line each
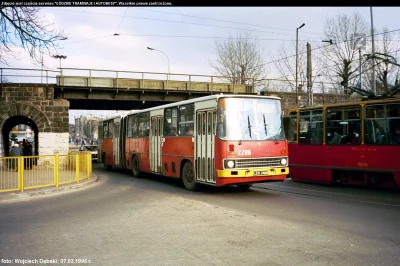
<point>283,161</point>
<point>230,164</point>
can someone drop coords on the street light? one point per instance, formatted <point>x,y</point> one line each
<point>297,59</point>
<point>330,41</point>
<point>60,57</point>
<point>164,54</point>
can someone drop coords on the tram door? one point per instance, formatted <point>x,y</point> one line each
<point>205,149</point>
<point>155,143</point>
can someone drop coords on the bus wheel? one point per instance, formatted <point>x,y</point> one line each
<point>244,187</point>
<point>188,177</point>
<point>135,167</point>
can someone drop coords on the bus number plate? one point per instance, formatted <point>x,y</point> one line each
<point>260,172</point>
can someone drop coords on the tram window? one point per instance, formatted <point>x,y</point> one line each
<point>343,125</point>
<point>291,126</point>
<point>310,127</point>
<point>382,124</point>
<point>186,115</point>
<point>393,113</point>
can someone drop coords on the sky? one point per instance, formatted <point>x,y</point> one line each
<point>187,35</point>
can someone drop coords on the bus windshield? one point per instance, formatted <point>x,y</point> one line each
<point>249,119</point>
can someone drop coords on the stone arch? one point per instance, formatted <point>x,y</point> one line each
<point>22,113</point>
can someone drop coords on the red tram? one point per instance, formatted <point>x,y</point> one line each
<point>352,143</point>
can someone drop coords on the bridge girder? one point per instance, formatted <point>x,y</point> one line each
<point>121,99</point>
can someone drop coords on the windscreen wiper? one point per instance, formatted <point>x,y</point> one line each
<point>249,125</point>
<point>266,131</point>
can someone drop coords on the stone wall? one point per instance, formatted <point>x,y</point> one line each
<point>37,103</point>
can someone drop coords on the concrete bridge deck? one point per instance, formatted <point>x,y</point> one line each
<point>150,81</point>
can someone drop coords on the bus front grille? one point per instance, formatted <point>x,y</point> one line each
<point>258,163</point>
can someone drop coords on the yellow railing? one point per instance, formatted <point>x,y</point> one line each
<point>28,172</point>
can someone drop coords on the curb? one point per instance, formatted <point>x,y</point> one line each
<point>10,196</point>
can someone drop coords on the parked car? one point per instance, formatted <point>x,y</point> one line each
<point>90,148</point>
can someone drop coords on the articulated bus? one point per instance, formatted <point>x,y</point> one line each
<point>352,143</point>
<point>216,140</point>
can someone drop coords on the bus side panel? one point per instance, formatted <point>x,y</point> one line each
<point>143,154</point>
<point>220,153</point>
<point>107,151</point>
<point>129,144</point>
<point>174,150</point>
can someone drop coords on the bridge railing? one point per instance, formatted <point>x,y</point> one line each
<point>117,79</point>
<point>28,75</point>
<point>151,80</point>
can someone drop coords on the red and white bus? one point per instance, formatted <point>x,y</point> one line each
<point>216,140</point>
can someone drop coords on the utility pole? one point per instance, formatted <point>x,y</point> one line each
<point>373,55</point>
<point>297,60</point>
<point>360,69</point>
<point>309,77</point>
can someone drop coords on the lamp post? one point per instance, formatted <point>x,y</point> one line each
<point>297,59</point>
<point>60,57</point>
<point>165,55</point>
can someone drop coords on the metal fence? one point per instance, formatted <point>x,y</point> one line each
<point>29,172</point>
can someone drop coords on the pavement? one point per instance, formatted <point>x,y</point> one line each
<point>47,191</point>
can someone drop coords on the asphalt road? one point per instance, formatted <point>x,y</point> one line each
<point>155,221</point>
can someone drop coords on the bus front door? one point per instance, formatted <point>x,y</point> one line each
<point>205,151</point>
<point>155,144</point>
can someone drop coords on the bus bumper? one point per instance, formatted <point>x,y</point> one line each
<point>240,176</point>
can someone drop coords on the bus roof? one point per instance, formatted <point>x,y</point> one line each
<point>346,104</point>
<point>113,117</point>
<point>204,98</point>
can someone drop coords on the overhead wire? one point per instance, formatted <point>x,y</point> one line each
<point>322,46</point>
<point>174,21</point>
<point>228,21</point>
<point>205,37</point>
<point>122,20</point>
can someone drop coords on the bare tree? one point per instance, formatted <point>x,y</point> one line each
<point>341,56</point>
<point>240,59</point>
<point>24,27</point>
<point>286,66</point>
<point>387,74</point>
